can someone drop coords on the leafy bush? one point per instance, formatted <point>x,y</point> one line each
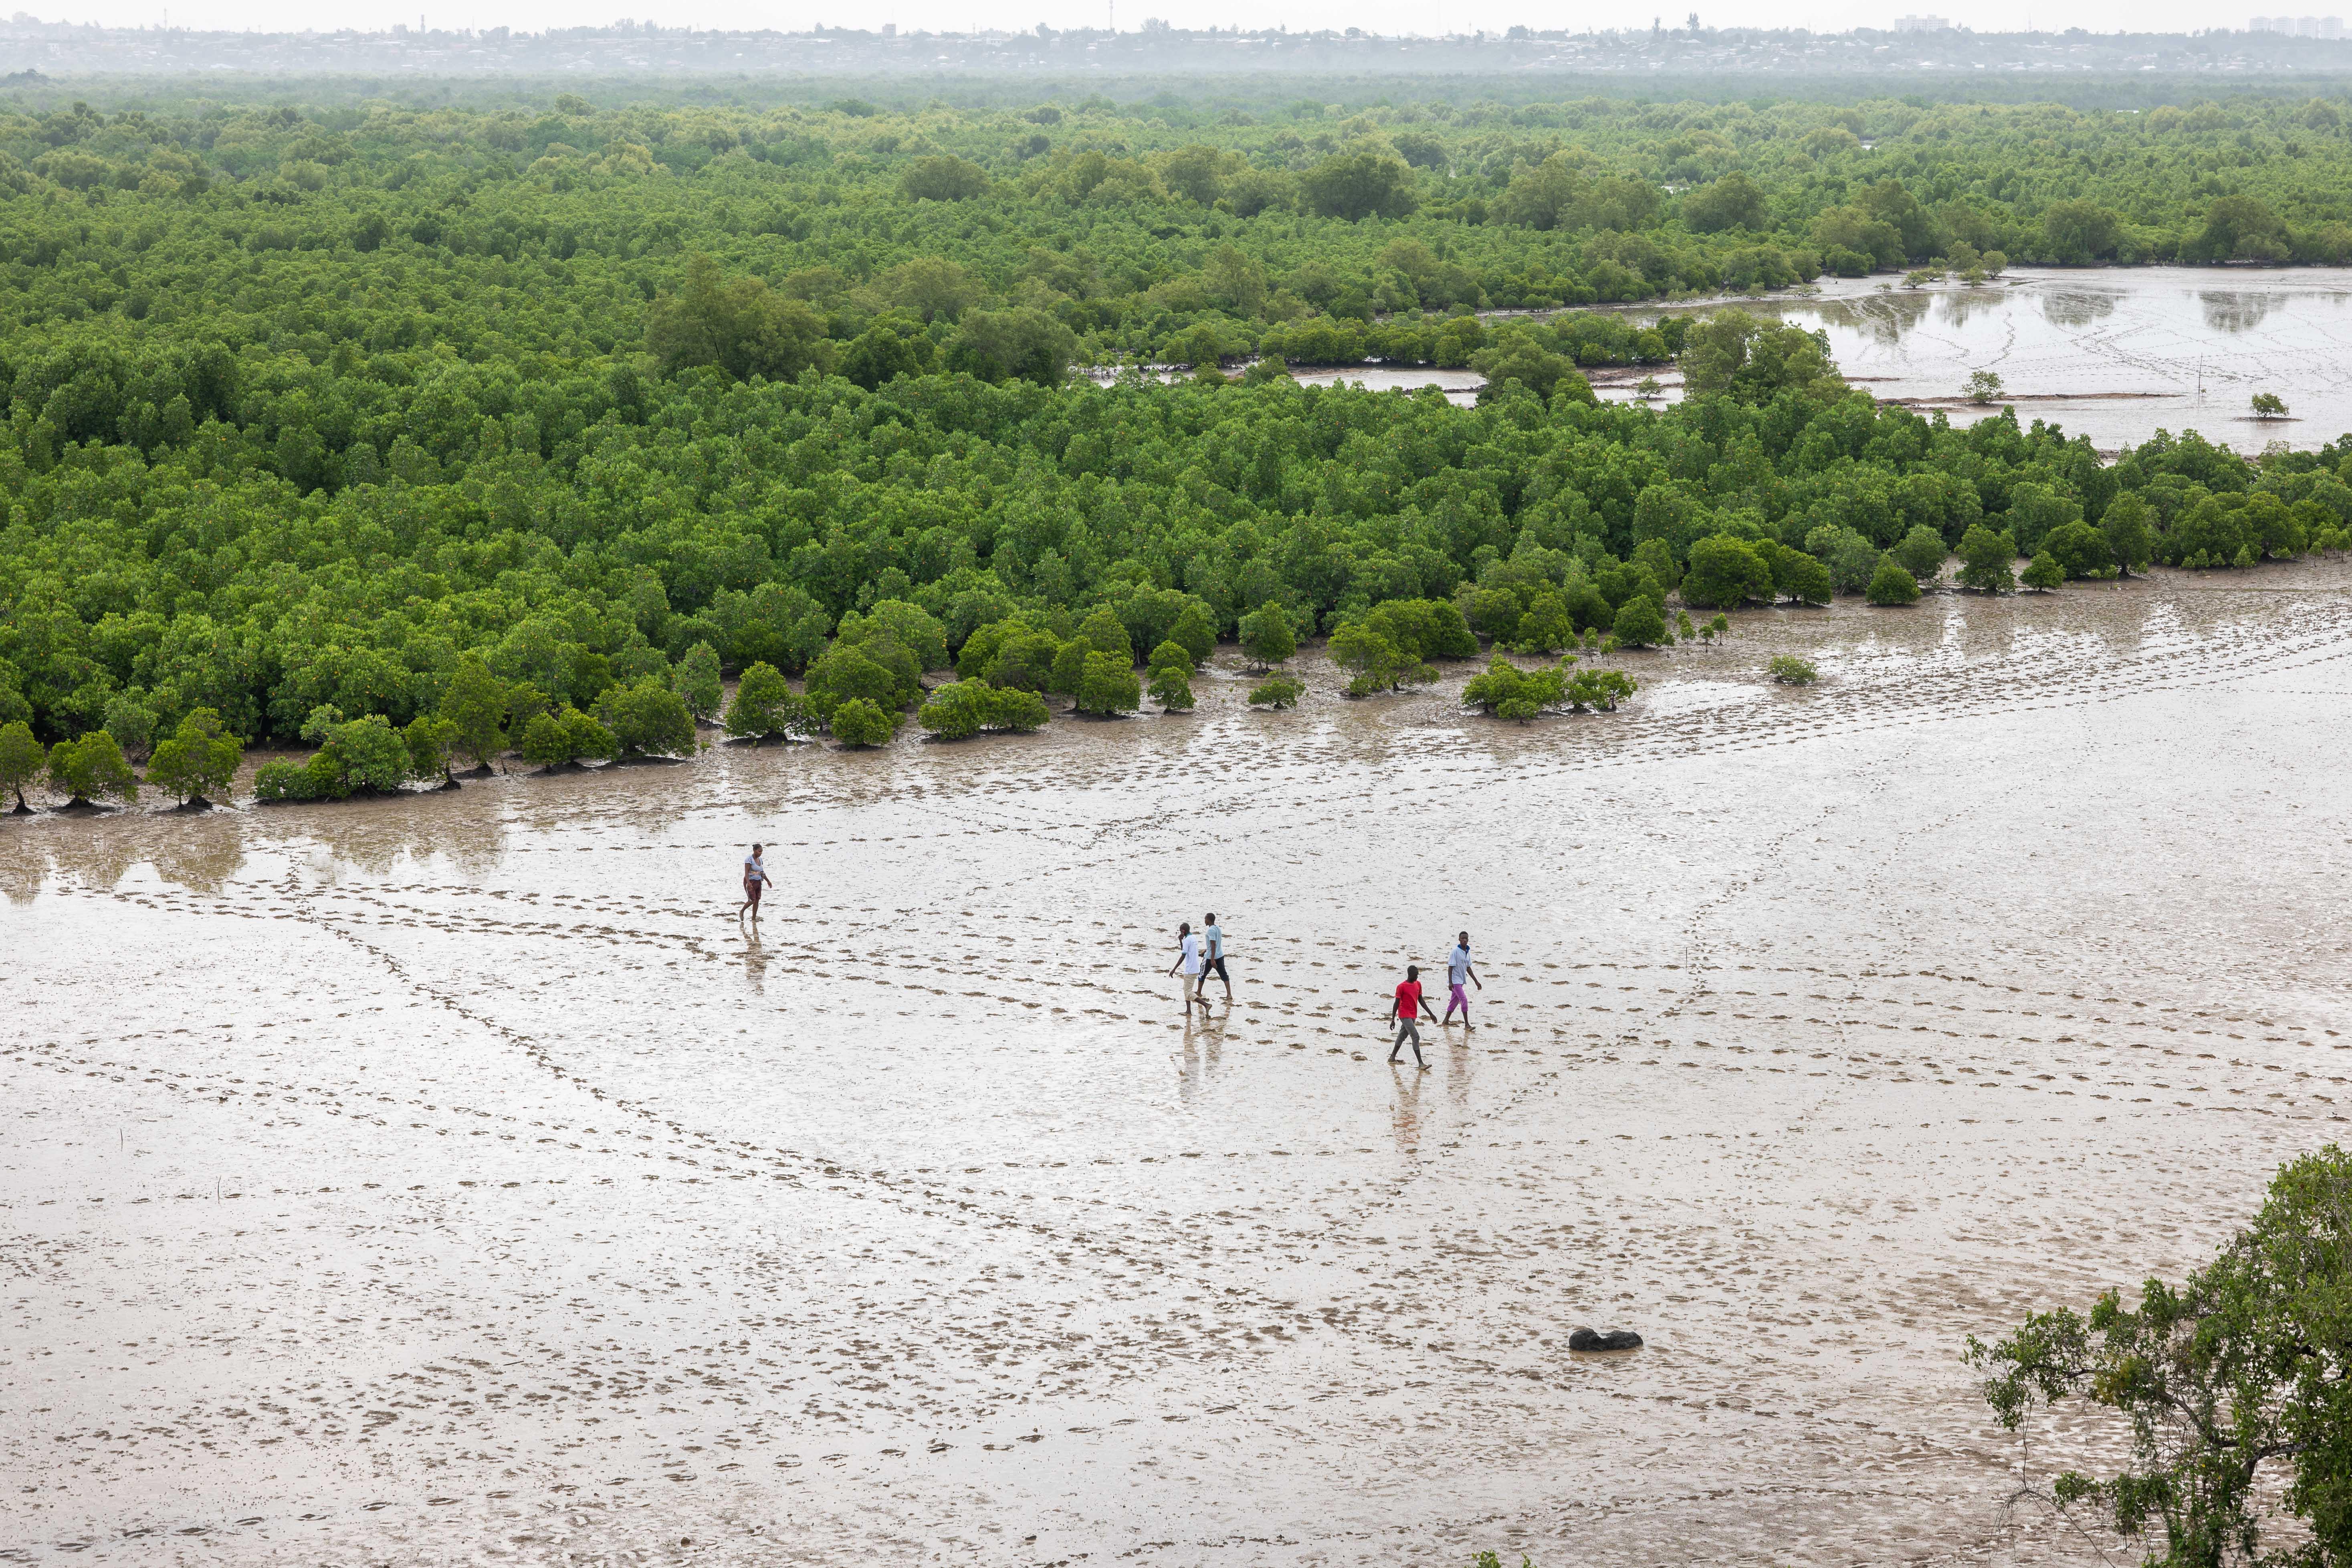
<point>565,739</point>
<point>1171,689</point>
<point>1789,669</point>
<point>1988,560</point>
<point>695,679</point>
<point>1266,636</point>
<point>858,722</point>
<point>1725,573</point>
<point>1379,664</point>
<point>1797,575</point>
<point>647,719</point>
<point>279,781</point>
<point>1599,688</point>
<point>363,755</point>
<point>965,708</point>
<point>131,722</point>
<point>1640,623</point>
<point>2130,544</point>
<point>2232,1386</point>
<point>2080,550</point>
<point>1423,628</point>
<point>2043,573</point>
<point>1169,671</point>
<point>1921,553</point>
<point>876,670</point>
<point>93,765</point>
<point>1106,685</point>
<point>1507,691</point>
<point>1891,584</point>
<point>22,760</point>
<point>429,742</point>
<point>765,707</point>
<point>476,703</point>
<point>1276,691</point>
<point>1018,711</point>
<point>1850,558</point>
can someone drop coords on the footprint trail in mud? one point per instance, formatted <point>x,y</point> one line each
<point>453,1174</point>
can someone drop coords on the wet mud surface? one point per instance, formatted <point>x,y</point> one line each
<point>451,1180</point>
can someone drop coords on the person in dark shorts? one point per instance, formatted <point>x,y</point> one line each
<point>755,882</point>
<point>1212,959</point>
<point>1406,1009</point>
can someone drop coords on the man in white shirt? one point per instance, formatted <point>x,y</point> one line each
<point>1188,959</point>
<point>755,882</point>
<point>1459,973</point>
<point>1213,938</point>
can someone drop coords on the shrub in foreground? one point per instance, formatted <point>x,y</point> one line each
<point>552,741</point>
<point>965,708</point>
<point>93,765</point>
<point>2232,1386</point>
<point>1277,691</point>
<point>765,707</point>
<point>1106,685</point>
<point>198,760</point>
<point>363,755</point>
<point>1170,675</point>
<point>21,760</point>
<point>1891,584</point>
<point>1507,691</point>
<point>858,722</point>
<point>647,719</point>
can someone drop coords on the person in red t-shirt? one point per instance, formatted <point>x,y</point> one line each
<point>1406,1010</point>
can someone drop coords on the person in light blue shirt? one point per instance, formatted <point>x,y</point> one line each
<point>1458,974</point>
<point>1213,939</point>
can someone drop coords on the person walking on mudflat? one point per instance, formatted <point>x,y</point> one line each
<point>1458,971</point>
<point>1188,959</point>
<point>755,882</point>
<point>1406,1009</point>
<point>1213,938</point>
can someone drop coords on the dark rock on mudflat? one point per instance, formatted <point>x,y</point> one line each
<point>1614,1339</point>
<point>196,805</point>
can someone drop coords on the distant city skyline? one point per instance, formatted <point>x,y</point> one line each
<point>1381,16</point>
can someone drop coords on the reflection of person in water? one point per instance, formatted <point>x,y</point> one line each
<point>755,961</point>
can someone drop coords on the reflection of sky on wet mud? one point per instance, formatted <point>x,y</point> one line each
<point>453,1179</point>
<point>2138,339</point>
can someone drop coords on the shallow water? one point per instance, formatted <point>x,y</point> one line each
<point>453,1179</point>
<point>2115,353</point>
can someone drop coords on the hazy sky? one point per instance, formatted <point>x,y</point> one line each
<point>1374,16</point>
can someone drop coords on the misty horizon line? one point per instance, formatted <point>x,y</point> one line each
<point>1152,28</point>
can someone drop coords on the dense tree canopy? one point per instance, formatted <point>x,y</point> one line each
<point>483,414</point>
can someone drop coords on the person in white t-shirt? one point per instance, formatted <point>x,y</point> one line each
<point>1212,956</point>
<point>1458,972</point>
<point>1188,959</point>
<point>755,882</point>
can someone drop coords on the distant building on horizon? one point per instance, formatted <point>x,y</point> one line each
<point>2298,27</point>
<point>1921,25</point>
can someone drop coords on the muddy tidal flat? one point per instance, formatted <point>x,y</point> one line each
<point>451,1180</point>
